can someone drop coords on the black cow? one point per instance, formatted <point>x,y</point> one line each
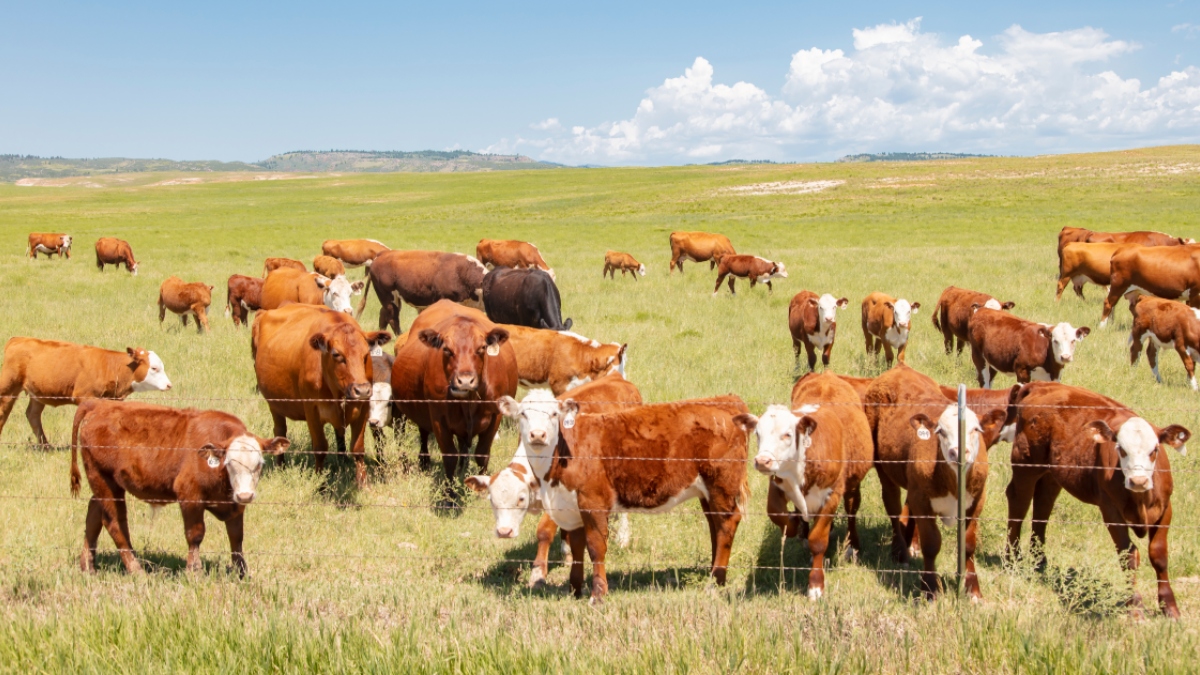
<point>523,297</point>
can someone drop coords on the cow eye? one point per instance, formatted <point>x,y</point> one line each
<point>446,351</point>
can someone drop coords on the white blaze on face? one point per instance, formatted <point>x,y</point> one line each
<point>337,294</point>
<point>1063,338</point>
<point>1136,445</point>
<point>244,463</point>
<point>381,405</point>
<point>156,376</point>
<point>992,304</point>
<point>903,314</point>
<point>947,435</point>
<point>510,493</point>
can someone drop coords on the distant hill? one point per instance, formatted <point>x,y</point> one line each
<point>907,156</point>
<point>15,167</point>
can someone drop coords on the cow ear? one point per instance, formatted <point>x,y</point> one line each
<point>356,287</point>
<point>478,483</point>
<point>1082,333</point>
<point>1008,305</point>
<point>1104,437</point>
<point>746,422</point>
<point>915,306</point>
<point>497,336</point>
<point>805,426</point>
<point>214,456</point>
<point>508,406</point>
<point>276,446</point>
<point>1101,432</point>
<point>430,338</point>
<point>814,302</point>
<point>569,407</point>
<point>1044,332</point>
<point>321,281</point>
<point>992,423</point>
<point>843,303</point>
<point>975,307</point>
<point>889,305</point>
<point>319,343</point>
<point>621,351</point>
<point>1175,436</point>
<point>379,338</point>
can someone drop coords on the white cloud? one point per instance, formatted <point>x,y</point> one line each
<point>899,89</point>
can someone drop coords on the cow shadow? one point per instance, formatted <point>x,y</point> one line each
<point>167,565</point>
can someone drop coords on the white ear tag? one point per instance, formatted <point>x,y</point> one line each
<point>493,350</point>
<point>923,434</point>
<point>213,462</point>
<point>569,421</point>
<point>376,350</point>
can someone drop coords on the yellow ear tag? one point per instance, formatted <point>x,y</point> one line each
<point>493,350</point>
<point>213,462</point>
<point>923,434</point>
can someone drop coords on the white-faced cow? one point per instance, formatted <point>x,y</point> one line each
<point>562,360</point>
<point>757,270</point>
<point>1001,342</point>
<point>113,251</point>
<point>1165,324</point>
<point>615,260</point>
<point>812,321</point>
<point>954,310</point>
<point>886,322</point>
<point>289,285</point>
<point>49,243</point>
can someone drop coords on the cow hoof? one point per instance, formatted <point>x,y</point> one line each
<point>596,601</point>
<point>815,594</point>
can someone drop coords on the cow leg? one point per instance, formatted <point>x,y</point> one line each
<point>961,343</point>
<point>853,500</point>
<point>900,352</point>
<point>970,579</point>
<point>1189,364</point>
<point>33,413</point>
<point>1136,336</point>
<point>316,432</point>
<point>445,441</point>
<point>358,445</point>
<point>423,461</point>
<point>717,288</point>
<point>1118,530</point>
<point>779,513</point>
<point>911,537</point>
<point>112,501</point>
<point>595,527</point>
<point>234,527</point>
<point>732,290</point>
<point>193,529</point>
<point>541,562</point>
<point>891,504</point>
<point>818,543</point>
<point>10,389</point>
<point>91,534</point>
<point>726,517</point>
<point>1062,286</point>
<point>1019,493</point>
<point>184,318</point>
<point>201,313</point>
<point>578,541</point>
<point>887,352</point>
<point>162,311</point>
<point>1152,359</point>
<point>711,520</point>
<point>931,544</point>
<point>1116,290</point>
<point>1157,535</point>
<point>339,439</point>
<point>483,447</point>
<point>280,424</point>
<point>1045,494</point>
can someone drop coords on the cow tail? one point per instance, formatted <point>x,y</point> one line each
<point>228,302</point>
<point>936,313</point>
<point>75,477</point>
<point>743,498</point>
<point>366,295</point>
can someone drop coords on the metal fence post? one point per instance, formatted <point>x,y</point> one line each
<point>962,487</point>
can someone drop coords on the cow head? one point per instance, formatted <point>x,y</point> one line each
<point>381,392</point>
<point>465,346</point>
<point>511,492</point>
<point>641,269</point>
<point>537,417</point>
<point>242,461</point>
<point>1134,447</point>
<point>902,312</point>
<point>337,292</point>
<point>66,242</point>
<point>983,433</point>
<point>827,307</point>
<point>346,366</point>
<point>133,268</point>
<point>149,374</point>
<point>1063,338</point>
<point>784,437</point>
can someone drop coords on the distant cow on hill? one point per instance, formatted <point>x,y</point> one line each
<point>615,260</point>
<point>886,322</point>
<point>112,251</point>
<point>243,295</point>
<point>185,299</point>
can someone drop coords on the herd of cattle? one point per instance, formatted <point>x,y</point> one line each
<point>588,445</point>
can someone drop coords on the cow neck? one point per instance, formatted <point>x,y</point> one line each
<point>552,467</point>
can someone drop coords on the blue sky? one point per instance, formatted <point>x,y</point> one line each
<point>610,83</point>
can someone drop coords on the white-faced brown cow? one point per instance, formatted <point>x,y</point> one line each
<point>816,451</point>
<point>1169,272</point>
<point>1081,263</point>
<point>1001,342</point>
<point>1069,235</point>
<point>698,247</point>
<point>812,321</point>
<point>953,312</point>
<point>290,285</point>
<point>1165,324</point>
<point>49,243</point>
<point>328,266</point>
<point>616,260</point>
<point>272,264</point>
<point>886,322</point>
<point>185,299</point>
<point>354,252</point>
<point>757,270</point>
<point>1103,454</point>
<point>113,251</point>
<point>562,360</point>
<point>915,429</point>
<point>243,295</point>
<point>57,373</point>
<point>511,253</point>
<point>204,460</point>
<point>314,364</point>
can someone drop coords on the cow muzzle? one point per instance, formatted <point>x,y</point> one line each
<point>538,437</point>
<point>504,532</point>
<point>765,464</point>
<point>359,391</point>
<point>243,498</point>
<point>464,384</point>
<point>1138,483</point>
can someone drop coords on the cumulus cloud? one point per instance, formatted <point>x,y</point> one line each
<point>899,89</point>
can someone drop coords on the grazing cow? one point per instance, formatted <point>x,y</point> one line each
<point>698,247</point>
<point>815,451</point>
<point>562,360</point>
<point>328,266</point>
<point>915,428</point>
<point>272,264</point>
<point>381,395</point>
<point>615,260</point>
<point>309,288</point>
<point>112,251</point>
<point>758,270</point>
<point>49,243</point>
<point>1165,324</point>
<point>314,364</point>
<point>354,252</point>
<point>462,363</point>
<point>608,461</point>
<point>1001,342</point>
<point>511,253</point>
<point>57,373</point>
<point>953,312</point>
<point>243,295</point>
<point>1070,235</point>
<point>204,460</point>
<point>523,297</point>
<point>421,278</point>
<point>812,321</point>
<point>1103,454</point>
<point>1080,263</point>
<point>185,299</point>
<point>885,323</point>
<point>1167,272</point>
<point>515,490</point>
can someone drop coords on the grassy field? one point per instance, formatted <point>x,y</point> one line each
<point>376,580</point>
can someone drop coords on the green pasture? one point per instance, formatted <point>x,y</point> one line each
<point>343,579</point>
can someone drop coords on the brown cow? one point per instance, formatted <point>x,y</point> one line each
<point>608,462</point>
<point>463,363</point>
<point>243,295</point>
<point>752,267</point>
<point>511,253</point>
<point>1102,454</point>
<point>885,323</point>
<point>915,429</point>
<point>698,247</point>
<point>1165,324</point>
<point>272,264</point>
<point>204,460</point>
<point>1070,235</point>
<point>49,243</point>
<point>184,299</point>
<point>1167,272</point>
<point>314,364</point>
<point>354,252</point>
<point>953,312</point>
<point>812,321</point>
<point>1080,263</point>
<point>815,450</point>
<point>1001,342</point>
<point>112,251</point>
<point>562,360</point>
<point>309,288</point>
<point>328,266</point>
<point>57,373</point>
<point>615,260</point>
<point>422,278</point>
